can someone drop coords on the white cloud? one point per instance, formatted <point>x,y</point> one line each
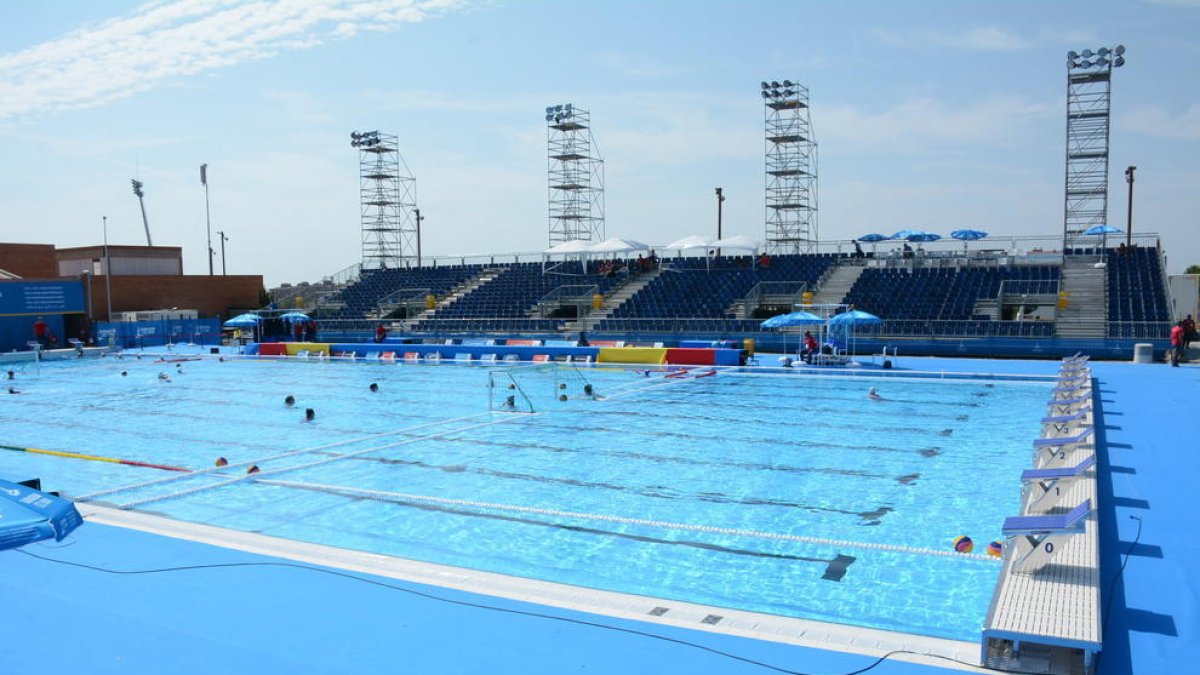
<point>1156,122</point>
<point>122,56</point>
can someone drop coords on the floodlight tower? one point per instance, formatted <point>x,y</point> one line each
<point>137,190</point>
<point>1089,97</point>
<point>575,175</point>
<point>791,169</point>
<point>387,198</point>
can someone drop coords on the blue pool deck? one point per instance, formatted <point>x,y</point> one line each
<point>222,615</point>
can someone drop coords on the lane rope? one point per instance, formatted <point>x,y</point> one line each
<point>401,497</point>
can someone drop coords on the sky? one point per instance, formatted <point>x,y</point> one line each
<point>931,115</point>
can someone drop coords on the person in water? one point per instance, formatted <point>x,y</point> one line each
<point>873,394</point>
<point>309,414</point>
<point>374,387</point>
<point>289,401</point>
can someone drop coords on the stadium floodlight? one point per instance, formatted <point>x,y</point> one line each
<point>1102,61</point>
<point>549,109</point>
<point>1120,61</point>
<point>774,84</point>
<point>549,118</point>
<point>787,83</point>
<point>1072,55</point>
<point>764,85</point>
<point>1085,64</point>
<point>766,95</point>
<point>1119,50</point>
<point>568,107</point>
<point>1087,54</point>
<point>1103,51</point>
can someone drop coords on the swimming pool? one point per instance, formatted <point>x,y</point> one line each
<point>791,495</point>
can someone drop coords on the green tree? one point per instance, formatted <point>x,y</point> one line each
<point>1192,269</point>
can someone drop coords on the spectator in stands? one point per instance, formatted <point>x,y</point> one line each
<point>907,251</point>
<point>583,341</point>
<point>858,252</point>
<point>51,339</point>
<point>381,332</point>
<point>39,331</point>
<point>1189,332</point>
<point>310,330</point>
<point>764,260</point>
<point>1178,344</point>
<point>653,258</point>
<point>83,336</point>
<point>298,330</point>
<point>643,264</point>
<point>810,347</point>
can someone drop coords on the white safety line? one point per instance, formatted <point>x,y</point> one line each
<point>402,497</point>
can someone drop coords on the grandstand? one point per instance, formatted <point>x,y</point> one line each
<point>1001,297</point>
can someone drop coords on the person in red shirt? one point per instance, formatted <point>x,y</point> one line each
<point>298,330</point>
<point>1177,343</point>
<point>380,333</point>
<point>39,331</point>
<point>810,346</point>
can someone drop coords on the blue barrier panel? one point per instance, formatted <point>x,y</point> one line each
<point>134,334</point>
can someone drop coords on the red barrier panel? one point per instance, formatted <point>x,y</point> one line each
<point>272,349</point>
<point>691,356</point>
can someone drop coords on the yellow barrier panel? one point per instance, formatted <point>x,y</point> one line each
<point>748,345</point>
<point>430,301</point>
<point>597,301</point>
<point>632,355</point>
<point>311,347</point>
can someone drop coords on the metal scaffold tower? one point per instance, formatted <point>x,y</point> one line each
<point>1089,97</point>
<point>575,176</point>
<point>791,166</point>
<point>387,200</point>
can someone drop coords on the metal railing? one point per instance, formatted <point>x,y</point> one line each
<point>1139,330</point>
<point>577,296</point>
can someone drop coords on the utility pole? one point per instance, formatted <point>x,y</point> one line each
<point>208,222</point>
<point>1129,214</point>
<point>221,234</point>
<point>720,201</point>
<point>107,273</point>
<point>418,217</point>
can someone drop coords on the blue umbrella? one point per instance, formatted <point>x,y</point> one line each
<point>968,234</point>
<point>28,515</point>
<point>248,320</point>
<point>800,318</point>
<point>1102,231</point>
<point>874,237</point>
<point>902,234</point>
<point>918,235</point>
<point>294,316</point>
<point>844,323</point>
<point>854,317</point>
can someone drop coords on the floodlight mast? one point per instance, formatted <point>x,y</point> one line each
<point>791,169</point>
<point>137,190</point>
<point>1089,104</point>
<point>387,199</point>
<point>575,176</point>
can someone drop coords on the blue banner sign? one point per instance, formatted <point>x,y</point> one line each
<point>25,298</point>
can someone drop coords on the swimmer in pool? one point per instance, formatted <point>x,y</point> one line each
<point>309,414</point>
<point>874,395</point>
<point>374,386</point>
<point>289,401</point>
<point>163,377</point>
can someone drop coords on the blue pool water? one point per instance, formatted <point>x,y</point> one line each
<point>756,492</point>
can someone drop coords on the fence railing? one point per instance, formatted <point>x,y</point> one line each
<point>1139,330</point>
